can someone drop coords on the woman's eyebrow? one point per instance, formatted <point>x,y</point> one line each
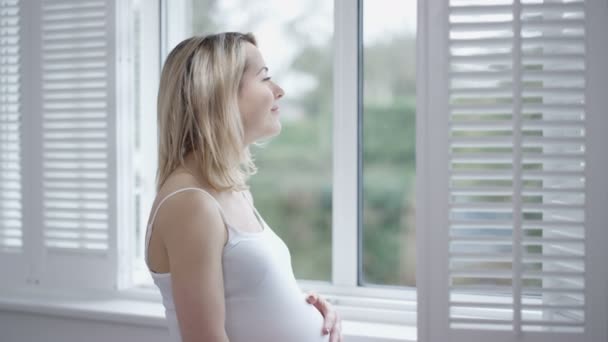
<point>263,69</point>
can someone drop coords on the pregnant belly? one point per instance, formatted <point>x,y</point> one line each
<point>288,319</point>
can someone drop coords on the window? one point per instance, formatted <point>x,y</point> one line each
<point>294,188</point>
<point>388,158</point>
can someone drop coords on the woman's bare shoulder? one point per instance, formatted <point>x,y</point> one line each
<point>185,208</point>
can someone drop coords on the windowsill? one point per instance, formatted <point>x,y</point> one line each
<point>111,309</point>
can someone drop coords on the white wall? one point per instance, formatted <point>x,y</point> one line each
<point>18,326</point>
<point>31,327</point>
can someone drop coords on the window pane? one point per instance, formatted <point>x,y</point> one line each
<point>389,136</point>
<point>292,189</point>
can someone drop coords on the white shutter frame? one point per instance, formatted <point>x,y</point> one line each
<point>431,169</point>
<point>123,231</point>
<point>72,190</point>
<point>433,277</point>
<point>597,170</point>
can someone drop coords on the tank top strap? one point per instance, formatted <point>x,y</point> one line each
<point>150,225</point>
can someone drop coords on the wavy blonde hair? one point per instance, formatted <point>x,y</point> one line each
<point>198,110</point>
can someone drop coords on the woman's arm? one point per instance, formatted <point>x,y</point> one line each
<point>194,237</point>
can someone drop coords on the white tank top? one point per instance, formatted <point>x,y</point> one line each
<point>263,300</point>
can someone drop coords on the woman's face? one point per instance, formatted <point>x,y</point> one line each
<point>258,98</point>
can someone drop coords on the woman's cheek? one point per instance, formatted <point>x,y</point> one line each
<point>269,98</point>
<point>263,106</point>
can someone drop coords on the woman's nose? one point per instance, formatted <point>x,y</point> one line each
<point>279,92</point>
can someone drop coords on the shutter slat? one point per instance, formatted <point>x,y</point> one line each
<point>559,7</point>
<point>482,274</point>
<point>480,258</point>
<point>462,191</point>
<point>77,56</point>
<point>91,112</point>
<point>74,14</point>
<point>74,91</point>
<point>460,109</point>
<point>78,238</point>
<point>83,116</point>
<point>556,24</point>
<point>84,218</point>
<point>73,79</point>
<point>81,226</point>
<point>61,147</point>
<point>75,250</point>
<point>550,323</point>
<point>577,290</point>
<point>62,70</point>
<point>479,26</point>
<point>472,10</point>
<point>483,239</point>
<point>470,254</point>
<point>481,174</point>
<point>481,75</point>
<point>549,306</point>
<point>481,223</point>
<point>506,92</point>
<point>532,241</point>
<point>75,158</point>
<point>69,37</point>
<point>71,25</point>
<point>457,304</point>
<point>61,6</point>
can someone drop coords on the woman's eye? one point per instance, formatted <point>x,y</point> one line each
<point>267,78</point>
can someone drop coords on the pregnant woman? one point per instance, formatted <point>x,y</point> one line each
<point>223,274</point>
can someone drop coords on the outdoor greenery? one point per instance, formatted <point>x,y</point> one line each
<point>293,188</point>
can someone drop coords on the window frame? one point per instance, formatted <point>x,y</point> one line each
<point>150,40</point>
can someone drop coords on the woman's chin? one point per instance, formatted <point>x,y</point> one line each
<point>273,131</point>
<point>277,129</point>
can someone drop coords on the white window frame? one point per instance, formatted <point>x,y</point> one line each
<point>149,71</point>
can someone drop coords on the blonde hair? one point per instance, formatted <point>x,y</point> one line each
<point>198,110</point>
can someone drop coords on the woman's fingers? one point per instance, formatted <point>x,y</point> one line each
<point>332,323</point>
<point>318,302</point>
<point>336,332</point>
<point>311,297</point>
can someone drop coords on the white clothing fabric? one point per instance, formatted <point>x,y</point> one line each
<point>263,300</point>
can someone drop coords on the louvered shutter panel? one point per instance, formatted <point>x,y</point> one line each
<point>511,239</point>
<point>75,89</point>
<point>12,252</point>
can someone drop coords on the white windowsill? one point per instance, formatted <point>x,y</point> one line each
<point>146,313</point>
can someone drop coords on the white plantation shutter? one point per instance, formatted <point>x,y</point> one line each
<point>514,180</point>
<point>12,255</point>
<point>72,178</point>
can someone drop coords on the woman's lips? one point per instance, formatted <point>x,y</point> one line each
<point>275,108</point>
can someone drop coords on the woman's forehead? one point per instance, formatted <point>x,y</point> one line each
<point>254,57</point>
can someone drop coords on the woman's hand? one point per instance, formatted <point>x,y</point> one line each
<point>332,323</point>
